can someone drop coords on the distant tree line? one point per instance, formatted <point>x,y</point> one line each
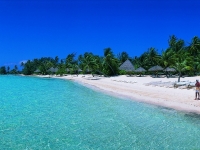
<point>185,59</point>
<point>6,70</point>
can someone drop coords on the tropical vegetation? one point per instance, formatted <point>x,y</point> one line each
<point>185,59</point>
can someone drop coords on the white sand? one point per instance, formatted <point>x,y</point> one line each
<point>179,99</point>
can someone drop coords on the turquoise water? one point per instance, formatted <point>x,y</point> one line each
<point>44,113</point>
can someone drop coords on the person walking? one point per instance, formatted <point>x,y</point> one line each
<point>197,85</point>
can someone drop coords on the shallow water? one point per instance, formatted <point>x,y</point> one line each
<point>45,113</point>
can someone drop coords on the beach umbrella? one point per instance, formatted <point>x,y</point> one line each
<point>67,69</point>
<point>169,69</point>
<point>140,69</point>
<point>53,69</point>
<point>37,71</point>
<point>156,68</point>
<point>79,70</point>
<point>127,66</point>
<point>88,70</point>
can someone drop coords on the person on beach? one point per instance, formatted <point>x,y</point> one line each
<point>197,85</point>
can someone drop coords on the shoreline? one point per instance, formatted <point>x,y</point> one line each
<point>135,88</point>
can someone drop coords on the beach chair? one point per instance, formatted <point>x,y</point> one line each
<point>132,82</point>
<point>170,85</point>
<point>191,85</point>
<point>182,83</point>
<point>163,84</point>
<point>152,83</point>
<point>159,83</point>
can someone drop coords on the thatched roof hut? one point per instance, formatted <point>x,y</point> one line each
<point>37,71</point>
<point>53,69</point>
<point>140,69</point>
<point>156,68</point>
<point>127,66</point>
<point>79,70</point>
<point>168,69</point>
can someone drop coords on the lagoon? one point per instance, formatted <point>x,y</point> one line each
<point>46,113</point>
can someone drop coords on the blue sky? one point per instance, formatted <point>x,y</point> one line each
<point>41,28</point>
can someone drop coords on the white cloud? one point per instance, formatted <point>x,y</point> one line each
<point>24,61</point>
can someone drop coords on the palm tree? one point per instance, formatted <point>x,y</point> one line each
<point>15,69</point>
<point>61,69</point>
<point>141,61</point>
<point>8,69</point>
<point>69,61</point>
<point>110,63</point>
<point>56,61</point>
<point>194,49</point>
<point>122,57</point>
<point>89,63</point>
<point>74,68</point>
<point>196,62</point>
<point>22,64</point>
<point>172,41</point>
<point>183,62</point>
<point>99,62</point>
<point>175,44</point>
<point>44,66</point>
<point>3,70</point>
<point>135,62</point>
<point>167,58</point>
<point>152,57</point>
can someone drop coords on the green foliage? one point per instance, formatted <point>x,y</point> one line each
<point>43,64</point>
<point>122,57</point>
<point>29,67</point>
<point>110,63</point>
<point>61,70</point>
<point>167,58</point>
<point>3,70</point>
<point>183,62</point>
<point>88,63</point>
<point>152,57</point>
<point>122,72</point>
<point>175,44</point>
<point>185,59</point>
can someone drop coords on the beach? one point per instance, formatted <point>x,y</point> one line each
<point>144,89</point>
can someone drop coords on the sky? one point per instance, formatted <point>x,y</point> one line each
<point>48,28</point>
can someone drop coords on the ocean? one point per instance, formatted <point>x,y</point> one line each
<point>46,113</point>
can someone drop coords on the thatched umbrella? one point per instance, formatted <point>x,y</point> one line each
<point>140,69</point>
<point>169,69</point>
<point>53,69</point>
<point>67,69</point>
<point>88,70</point>
<point>156,68</point>
<point>37,71</point>
<point>127,66</point>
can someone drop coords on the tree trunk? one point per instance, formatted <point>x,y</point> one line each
<point>111,68</point>
<point>179,76</point>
